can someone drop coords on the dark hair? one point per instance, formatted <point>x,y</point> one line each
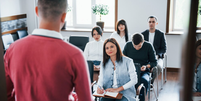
<point>137,38</point>
<point>118,54</point>
<point>123,22</point>
<point>152,17</point>
<point>98,29</point>
<point>197,43</point>
<point>51,9</point>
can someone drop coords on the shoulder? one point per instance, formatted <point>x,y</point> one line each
<point>113,34</point>
<point>146,31</point>
<point>127,59</point>
<point>159,31</point>
<point>147,44</point>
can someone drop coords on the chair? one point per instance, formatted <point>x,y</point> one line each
<point>149,90</point>
<point>91,69</point>
<point>79,41</point>
<point>7,39</point>
<point>138,70</point>
<point>15,36</point>
<point>22,33</point>
<point>164,69</point>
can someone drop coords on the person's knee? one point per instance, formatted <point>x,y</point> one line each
<point>145,81</point>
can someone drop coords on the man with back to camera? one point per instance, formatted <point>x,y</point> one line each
<point>158,40</point>
<point>143,56</point>
<point>42,67</point>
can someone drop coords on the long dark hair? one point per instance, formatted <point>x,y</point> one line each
<point>118,54</point>
<point>123,22</point>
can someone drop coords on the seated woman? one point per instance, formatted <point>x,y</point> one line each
<point>117,72</point>
<point>197,77</point>
<point>94,49</point>
<point>121,35</point>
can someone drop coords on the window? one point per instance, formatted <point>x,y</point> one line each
<point>177,12</point>
<point>81,15</point>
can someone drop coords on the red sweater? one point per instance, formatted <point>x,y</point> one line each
<point>45,69</point>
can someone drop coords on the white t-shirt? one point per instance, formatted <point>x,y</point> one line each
<point>151,37</point>
<point>121,40</point>
<point>94,50</point>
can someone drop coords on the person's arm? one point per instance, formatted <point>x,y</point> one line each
<point>152,57</point>
<point>9,83</point>
<point>86,51</point>
<point>100,79</point>
<point>163,46</point>
<point>125,49</point>
<point>133,75</point>
<point>81,78</point>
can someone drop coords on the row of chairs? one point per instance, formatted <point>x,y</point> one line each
<point>8,39</point>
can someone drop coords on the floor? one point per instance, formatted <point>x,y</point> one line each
<point>169,92</point>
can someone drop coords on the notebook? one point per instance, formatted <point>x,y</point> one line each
<point>106,94</point>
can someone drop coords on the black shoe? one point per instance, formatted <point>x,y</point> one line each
<point>151,87</point>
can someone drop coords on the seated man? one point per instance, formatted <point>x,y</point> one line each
<point>143,56</point>
<point>158,40</point>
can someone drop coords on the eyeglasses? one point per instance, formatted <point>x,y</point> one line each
<point>151,21</point>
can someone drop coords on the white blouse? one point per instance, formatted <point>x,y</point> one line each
<point>94,50</point>
<point>121,40</point>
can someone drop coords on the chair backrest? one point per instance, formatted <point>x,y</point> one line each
<point>91,70</point>
<point>7,39</point>
<point>15,36</point>
<point>79,41</point>
<point>22,33</point>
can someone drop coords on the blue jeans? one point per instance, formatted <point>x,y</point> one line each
<point>96,63</point>
<point>143,77</point>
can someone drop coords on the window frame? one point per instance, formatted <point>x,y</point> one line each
<point>89,26</point>
<point>170,18</point>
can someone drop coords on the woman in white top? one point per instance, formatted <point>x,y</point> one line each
<point>94,49</point>
<point>121,34</point>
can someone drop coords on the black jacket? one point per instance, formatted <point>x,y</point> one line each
<point>159,42</point>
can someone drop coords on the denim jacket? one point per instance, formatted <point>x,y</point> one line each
<point>122,76</point>
<point>197,80</point>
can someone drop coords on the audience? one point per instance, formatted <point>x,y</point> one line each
<point>94,49</point>
<point>121,34</point>
<point>158,40</point>
<point>197,77</point>
<point>117,72</point>
<point>42,67</point>
<point>143,56</point>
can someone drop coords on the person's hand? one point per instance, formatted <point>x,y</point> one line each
<point>96,66</point>
<point>197,94</point>
<point>112,90</point>
<point>100,91</point>
<point>143,68</point>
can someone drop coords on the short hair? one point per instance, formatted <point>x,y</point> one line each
<point>98,29</point>
<point>137,38</point>
<point>107,57</point>
<point>51,9</point>
<point>152,17</point>
<point>123,22</point>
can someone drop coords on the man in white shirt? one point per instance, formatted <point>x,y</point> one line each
<point>158,40</point>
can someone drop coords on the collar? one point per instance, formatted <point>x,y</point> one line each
<point>47,33</point>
